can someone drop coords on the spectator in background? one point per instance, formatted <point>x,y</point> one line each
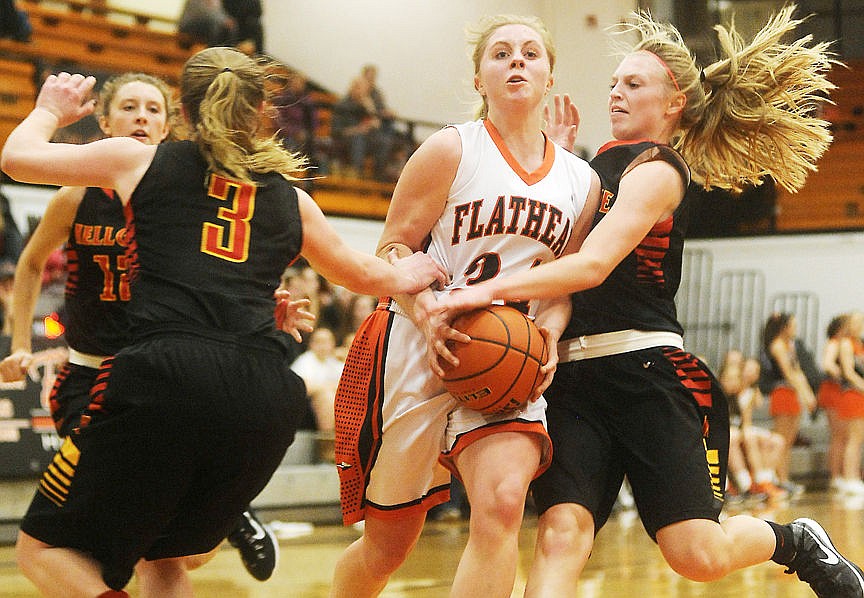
<point>359,308</point>
<point>296,120</point>
<point>11,239</point>
<point>850,403</point>
<point>402,144</point>
<point>207,22</point>
<point>753,452</point>
<point>361,130</point>
<point>247,17</point>
<point>7,280</point>
<point>828,397</point>
<point>369,73</point>
<point>786,385</point>
<point>14,23</point>
<point>320,369</point>
<point>763,448</point>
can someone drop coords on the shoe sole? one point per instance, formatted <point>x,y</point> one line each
<point>276,548</point>
<point>817,530</point>
<point>268,531</point>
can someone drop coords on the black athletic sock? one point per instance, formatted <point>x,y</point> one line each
<point>784,550</point>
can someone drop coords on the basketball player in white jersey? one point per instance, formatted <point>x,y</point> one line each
<point>485,197</point>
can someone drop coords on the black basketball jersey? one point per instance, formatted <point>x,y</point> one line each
<point>208,251</point>
<point>97,283</point>
<point>640,291</point>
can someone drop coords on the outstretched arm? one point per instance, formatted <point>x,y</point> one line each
<point>51,233</point>
<point>648,194</point>
<point>360,272</point>
<point>29,155</point>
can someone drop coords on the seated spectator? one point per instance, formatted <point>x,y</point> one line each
<point>11,239</point>
<point>369,73</point>
<point>206,21</point>
<point>320,370</point>
<point>14,23</point>
<point>362,131</point>
<point>247,16</point>
<point>753,452</point>
<point>763,449</point>
<point>359,307</point>
<point>296,120</point>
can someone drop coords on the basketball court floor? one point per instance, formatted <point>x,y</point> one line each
<point>625,563</point>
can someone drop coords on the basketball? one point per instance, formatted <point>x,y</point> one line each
<point>500,367</point>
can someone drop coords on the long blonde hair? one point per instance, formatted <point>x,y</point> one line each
<point>478,38</point>
<point>223,91</point>
<point>753,113</point>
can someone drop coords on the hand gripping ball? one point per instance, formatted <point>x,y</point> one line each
<point>500,367</point>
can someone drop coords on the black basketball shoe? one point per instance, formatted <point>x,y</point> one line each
<point>817,562</point>
<point>257,545</point>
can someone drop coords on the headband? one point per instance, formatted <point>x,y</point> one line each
<point>665,68</point>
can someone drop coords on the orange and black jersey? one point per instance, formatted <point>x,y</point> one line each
<point>97,285</point>
<point>208,251</point>
<point>640,291</point>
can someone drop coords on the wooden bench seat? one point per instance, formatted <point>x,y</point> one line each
<point>832,198</point>
<point>63,36</point>
<point>17,94</point>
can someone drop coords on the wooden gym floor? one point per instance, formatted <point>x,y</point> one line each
<point>625,562</point>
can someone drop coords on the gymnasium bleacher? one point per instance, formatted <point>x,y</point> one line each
<point>833,197</point>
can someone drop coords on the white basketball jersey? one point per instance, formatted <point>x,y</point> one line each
<point>500,219</point>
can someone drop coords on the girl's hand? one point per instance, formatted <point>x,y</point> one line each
<point>291,316</point>
<point>437,331</point>
<point>462,300</point>
<point>548,368</point>
<point>563,125</point>
<point>67,97</point>
<point>422,270</point>
<point>14,367</point>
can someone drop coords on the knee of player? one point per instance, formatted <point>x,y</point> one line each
<point>699,563</point>
<point>381,560</point>
<point>504,503</point>
<point>566,529</point>
<point>27,552</point>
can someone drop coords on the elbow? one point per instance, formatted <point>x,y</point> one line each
<point>596,272</point>
<point>7,163</point>
<point>12,165</point>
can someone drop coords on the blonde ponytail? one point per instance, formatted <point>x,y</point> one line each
<point>223,93</point>
<point>754,112</point>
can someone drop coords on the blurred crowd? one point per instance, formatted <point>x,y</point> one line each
<point>774,394</point>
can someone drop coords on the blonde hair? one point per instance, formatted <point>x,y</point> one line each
<point>478,38</point>
<point>222,91</point>
<point>112,86</point>
<point>752,113</point>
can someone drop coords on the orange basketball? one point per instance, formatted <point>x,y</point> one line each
<point>500,367</point>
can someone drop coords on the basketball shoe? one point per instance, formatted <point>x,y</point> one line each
<point>257,545</point>
<point>821,565</point>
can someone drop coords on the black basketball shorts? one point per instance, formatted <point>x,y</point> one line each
<point>655,415</point>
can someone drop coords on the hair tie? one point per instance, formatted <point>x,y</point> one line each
<point>227,69</point>
<point>665,68</point>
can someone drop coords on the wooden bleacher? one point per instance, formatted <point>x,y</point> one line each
<point>833,197</point>
<point>64,33</point>
<point>90,34</point>
<point>17,93</point>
